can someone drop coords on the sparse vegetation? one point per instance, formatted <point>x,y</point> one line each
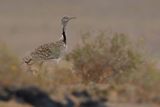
<point>8,64</point>
<point>110,61</point>
<point>104,56</point>
<point>115,60</point>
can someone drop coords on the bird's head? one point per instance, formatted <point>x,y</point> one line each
<point>66,19</point>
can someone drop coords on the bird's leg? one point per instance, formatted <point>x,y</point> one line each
<point>40,74</point>
<point>33,69</point>
<point>41,66</point>
<point>29,68</point>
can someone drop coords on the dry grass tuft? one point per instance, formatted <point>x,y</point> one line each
<point>105,65</point>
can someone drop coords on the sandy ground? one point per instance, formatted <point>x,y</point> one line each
<point>131,105</point>
<point>13,104</point>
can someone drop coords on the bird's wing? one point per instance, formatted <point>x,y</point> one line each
<point>46,51</point>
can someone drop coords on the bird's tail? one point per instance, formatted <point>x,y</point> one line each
<point>26,63</point>
<point>27,60</point>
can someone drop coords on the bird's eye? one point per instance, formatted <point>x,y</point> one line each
<point>66,18</point>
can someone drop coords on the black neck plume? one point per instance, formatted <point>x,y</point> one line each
<point>64,35</point>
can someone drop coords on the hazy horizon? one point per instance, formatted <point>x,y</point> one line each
<point>25,24</point>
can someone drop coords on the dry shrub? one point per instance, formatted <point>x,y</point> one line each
<point>103,56</point>
<point>11,73</point>
<point>111,59</point>
<point>8,65</point>
<point>115,59</point>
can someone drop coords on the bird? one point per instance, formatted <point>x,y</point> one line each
<point>48,51</point>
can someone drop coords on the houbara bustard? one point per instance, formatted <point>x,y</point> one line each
<point>48,51</point>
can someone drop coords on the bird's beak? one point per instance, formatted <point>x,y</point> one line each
<point>72,18</point>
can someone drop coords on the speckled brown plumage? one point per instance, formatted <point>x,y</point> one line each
<point>46,52</point>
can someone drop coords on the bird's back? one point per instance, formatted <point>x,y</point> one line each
<point>46,52</point>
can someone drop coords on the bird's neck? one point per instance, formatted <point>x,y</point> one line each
<point>64,34</point>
